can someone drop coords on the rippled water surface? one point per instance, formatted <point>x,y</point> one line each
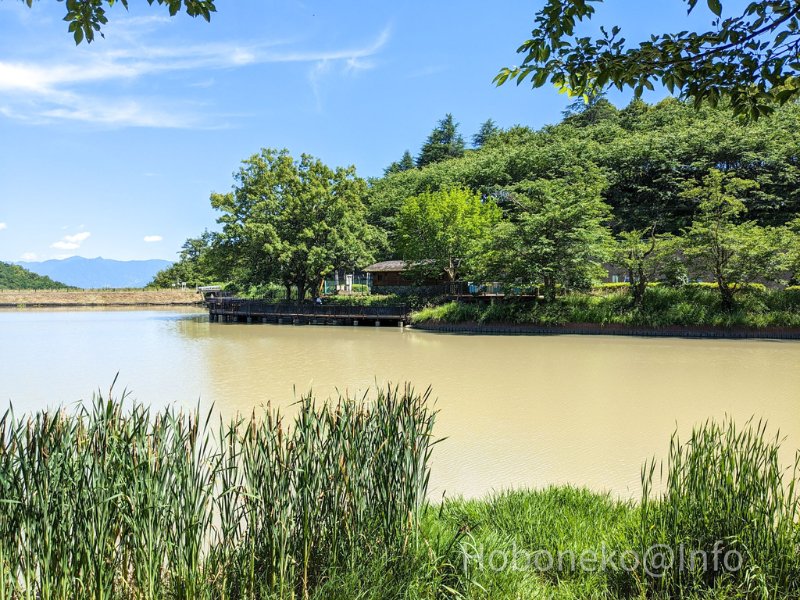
<point>516,411</point>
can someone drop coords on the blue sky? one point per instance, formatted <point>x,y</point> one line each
<point>111,149</point>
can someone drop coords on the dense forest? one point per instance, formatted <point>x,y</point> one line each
<point>14,277</point>
<point>634,188</point>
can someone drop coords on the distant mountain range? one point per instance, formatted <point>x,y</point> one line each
<point>98,272</point>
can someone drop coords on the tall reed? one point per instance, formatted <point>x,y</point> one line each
<point>726,495</point>
<point>109,503</point>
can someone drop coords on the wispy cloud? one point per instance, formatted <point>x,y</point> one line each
<point>3,226</point>
<point>71,242</point>
<point>27,256</point>
<point>48,89</point>
<point>348,62</point>
<point>152,238</point>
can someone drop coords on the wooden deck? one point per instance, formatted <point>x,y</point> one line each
<point>237,310</point>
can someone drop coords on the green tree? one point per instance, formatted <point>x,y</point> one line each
<point>645,256</point>
<point>487,131</point>
<point>750,59</point>
<point>195,266</point>
<point>444,142</point>
<point>293,222</point>
<point>14,277</point>
<point>717,245</point>
<point>555,237</point>
<point>792,237</point>
<point>87,17</point>
<point>582,113</point>
<point>443,231</point>
<point>404,164</point>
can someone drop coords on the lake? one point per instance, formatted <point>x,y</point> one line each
<point>520,411</point>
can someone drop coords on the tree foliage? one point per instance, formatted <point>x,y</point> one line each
<point>646,257</point>
<point>196,264</point>
<point>14,277</point>
<point>544,208</point>
<point>442,231</point>
<point>487,131</point>
<point>444,142</point>
<point>87,17</point>
<point>404,164</point>
<point>556,235</point>
<point>751,59</point>
<point>293,221</point>
<point>648,153</point>
<point>733,253</point>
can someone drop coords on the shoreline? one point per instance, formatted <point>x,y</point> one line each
<point>680,331</point>
<point>22,299</point>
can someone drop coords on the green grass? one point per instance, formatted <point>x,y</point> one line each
<point>116,503</point>
<point>691,305</point>
<point>726,491</point>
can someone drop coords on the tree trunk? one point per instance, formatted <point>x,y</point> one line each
<point>728,300</point>
<point>638,283</point>
<point>549,288</point>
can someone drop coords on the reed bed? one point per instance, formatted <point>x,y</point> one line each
<point>726,495</point>
<point>108,502</point>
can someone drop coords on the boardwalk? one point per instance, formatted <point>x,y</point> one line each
<point>237,310</point>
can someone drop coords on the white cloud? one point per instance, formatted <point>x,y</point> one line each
<point>29,256</point>
<point>61,245</point>
<point>71,242</point>
<point>152,238</point>
<point>3,226</point>
<point>78,237</point>
<point>47,90</point>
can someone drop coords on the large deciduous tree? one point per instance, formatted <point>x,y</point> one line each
<point>442,231</point>
<point>196,264</point>
<point>87,17</point>
<point>719,246</point>
<point>645,256</point>
<point>555,237</point>
<point>751,59</point>
<point>293,221</point>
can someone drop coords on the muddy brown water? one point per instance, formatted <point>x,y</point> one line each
<point>517,411</point>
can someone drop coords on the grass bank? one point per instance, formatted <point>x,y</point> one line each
<point>118,503</point>
<point>662,307</point>
<point>121,297</point>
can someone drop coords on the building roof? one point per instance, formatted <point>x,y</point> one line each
<point>387,266</point>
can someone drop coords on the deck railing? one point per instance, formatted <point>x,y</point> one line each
<point>259,308</point>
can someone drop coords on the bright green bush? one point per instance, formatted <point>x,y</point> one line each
<point>370,300</point>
